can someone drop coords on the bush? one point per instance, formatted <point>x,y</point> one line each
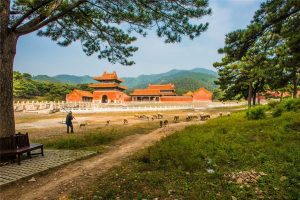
<point>273,104</point>
<point>277,111</point>
<point>256,113</point>
<point>294,126</point>
<point>292,104</point>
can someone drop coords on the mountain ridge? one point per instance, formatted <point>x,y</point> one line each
<point>187,79</point>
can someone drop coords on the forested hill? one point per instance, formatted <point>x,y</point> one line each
<point>65,78</point>
<point>44,87</point>
<point>184,80</point>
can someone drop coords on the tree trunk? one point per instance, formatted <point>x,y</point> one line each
<point>8,44</point>
<point>295,85</point>
<point>281,96</point>
<point>250,89</point>
<point>254,99</point>
<point>258,98</point>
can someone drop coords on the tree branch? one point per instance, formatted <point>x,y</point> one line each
<point>4,19</point>
<point>30,12</point>
<point>43,21</point>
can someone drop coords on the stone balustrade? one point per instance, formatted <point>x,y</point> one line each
<point>62,106</point>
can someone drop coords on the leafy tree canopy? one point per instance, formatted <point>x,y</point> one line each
<point>106,27</point>
<point>264,55</point>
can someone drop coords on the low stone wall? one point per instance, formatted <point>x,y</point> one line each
<point>62,106</point>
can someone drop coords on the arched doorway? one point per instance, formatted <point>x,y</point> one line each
<point>104,99</point>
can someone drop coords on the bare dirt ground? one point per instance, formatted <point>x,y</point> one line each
<point>62,181</point>
<point>49,126</point>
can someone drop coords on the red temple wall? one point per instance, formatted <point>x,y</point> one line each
<point>73,96</point>
<point>176,99</point>
<point>111,95</point>
<point>202,96</point>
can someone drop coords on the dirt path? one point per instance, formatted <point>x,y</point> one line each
<point>77,175</point>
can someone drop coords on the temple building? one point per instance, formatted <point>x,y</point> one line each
<point>202,94</point>
<point>108,89</point>
<point>167,93</point>
<point>153,92</point>
<point>79,95</point>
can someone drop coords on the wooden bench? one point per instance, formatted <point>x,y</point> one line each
<point>14,146</point>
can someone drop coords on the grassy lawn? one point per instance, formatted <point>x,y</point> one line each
<point>177,167</point>
<point>95,139</point>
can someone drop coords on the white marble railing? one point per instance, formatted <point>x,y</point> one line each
<point>62,106</point>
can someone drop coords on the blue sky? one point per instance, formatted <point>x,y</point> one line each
<point>39,55</point>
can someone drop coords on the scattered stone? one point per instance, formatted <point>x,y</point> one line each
<point>210,171</point>
<point>283,178</point>
<point>209,161</point>
<point>239,180</point>
<point>32,180</point>
<point>171,192</point>
<point>245,178</point>
<point>233,198</point>
<point>63,198</point>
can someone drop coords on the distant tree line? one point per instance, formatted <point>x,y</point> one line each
<point>263,56</point>
<point>25,87</point>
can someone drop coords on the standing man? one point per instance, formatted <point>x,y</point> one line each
<point>69,123</point>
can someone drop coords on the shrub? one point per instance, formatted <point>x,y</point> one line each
<point>277,111</point>
<point>295,126</point>
<point>256,113</point>
<point>273,104</point>
<point>292,104</point>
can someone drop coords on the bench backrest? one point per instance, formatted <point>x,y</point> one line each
<point>8,143</point>
<point>22,140</point>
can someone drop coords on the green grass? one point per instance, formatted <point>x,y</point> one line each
<point>175,168</point>
<point>95,139</point>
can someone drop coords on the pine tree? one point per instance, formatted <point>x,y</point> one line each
<point>104,27</point>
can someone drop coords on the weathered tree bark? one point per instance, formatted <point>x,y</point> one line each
<point>8,42</point>
<point>254,98</point>
<point>250,90</point>
<point>7,54</point>
<point>295,84</point>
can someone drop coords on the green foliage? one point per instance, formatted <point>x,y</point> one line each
<point>218,94</point>
<point>277,111</point>
<point>292,104</point>
<point>264,55</point>
<point>293,126</point>
<point>107,28</point>
<point>27,88</point>
<point>257,112</point>
<point>178,164</point>
<point>273,104</point>
<point>285,106</point>
<point>24,86</point>
<point>184,80</point>
<point>70,79</point>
